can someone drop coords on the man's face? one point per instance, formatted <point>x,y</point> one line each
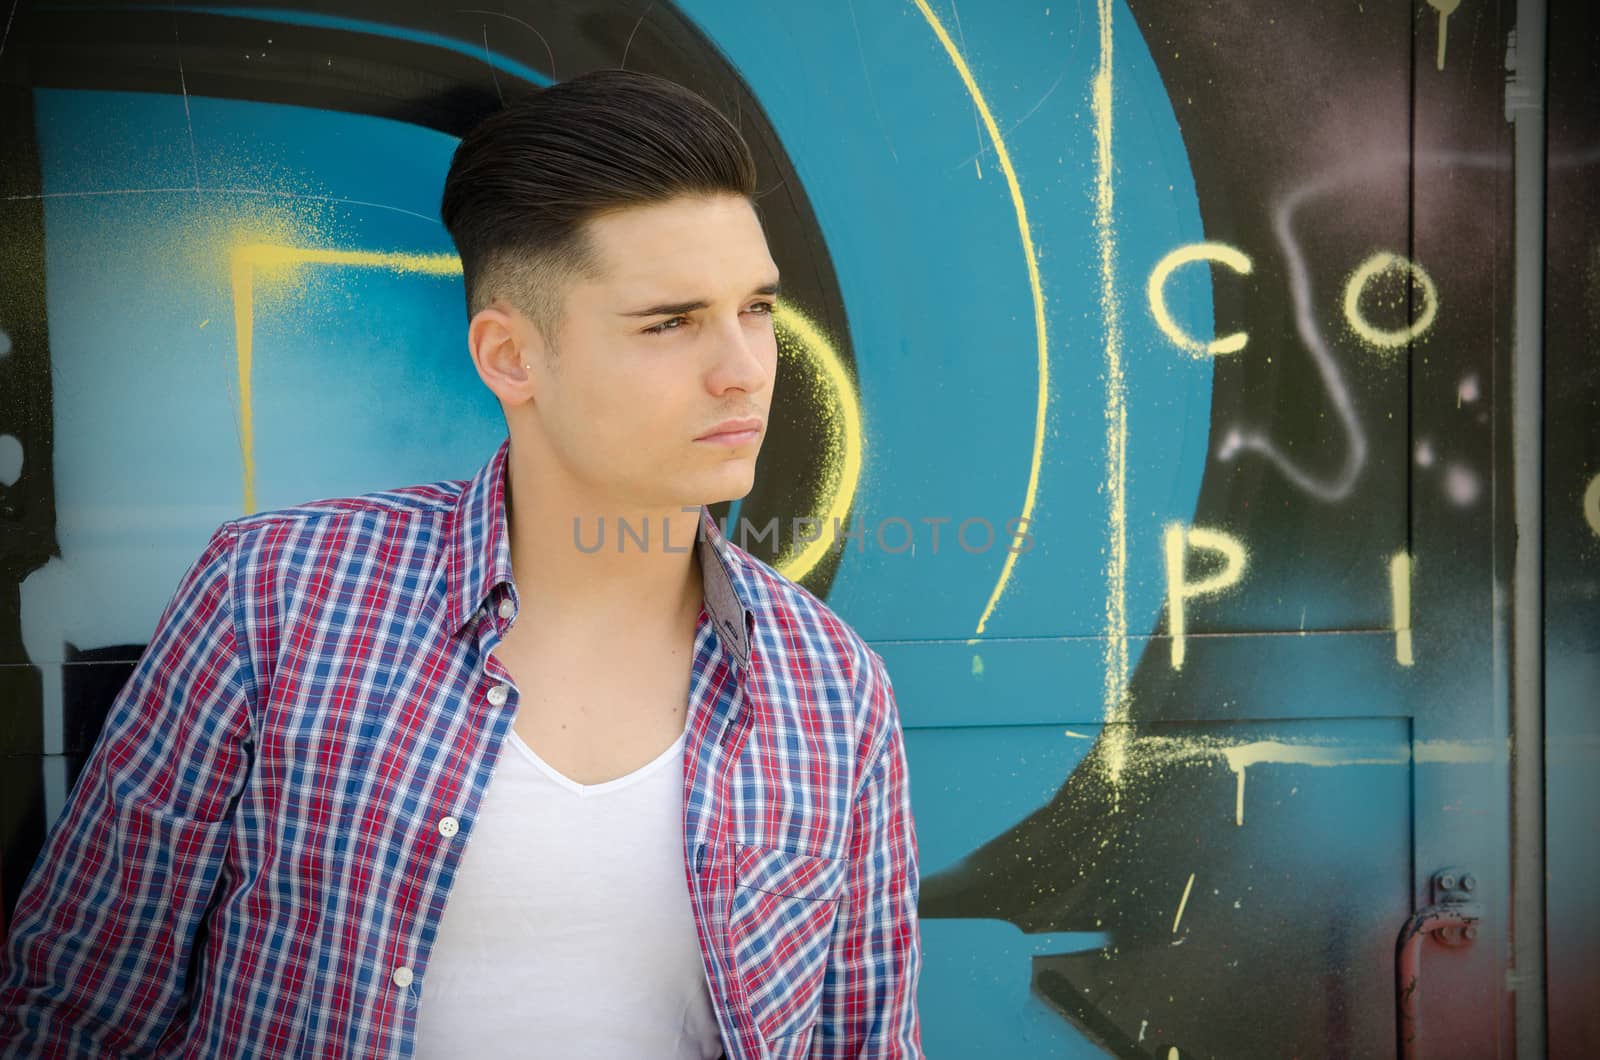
<point>657,353</point>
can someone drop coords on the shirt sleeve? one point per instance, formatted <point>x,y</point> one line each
<point>100,958</point>
<point>869,1000</point>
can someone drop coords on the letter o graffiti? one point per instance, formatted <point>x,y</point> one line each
<point>1365,273</point>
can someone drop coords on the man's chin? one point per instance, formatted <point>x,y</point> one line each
<point>726,487</point>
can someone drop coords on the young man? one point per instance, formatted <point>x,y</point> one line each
<point>423,773</point>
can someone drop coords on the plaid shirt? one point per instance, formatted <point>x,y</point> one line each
<point>256,856</point>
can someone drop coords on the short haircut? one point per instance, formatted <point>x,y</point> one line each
<point>523,183</point>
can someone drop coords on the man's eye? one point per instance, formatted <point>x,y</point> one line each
<point>666,325</point>
<point>764,308</point>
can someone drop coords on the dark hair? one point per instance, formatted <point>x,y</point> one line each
<point>524,182</point>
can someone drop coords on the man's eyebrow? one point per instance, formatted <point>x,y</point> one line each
<point>672,309</point>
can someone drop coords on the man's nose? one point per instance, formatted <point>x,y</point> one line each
<point>738,363</point>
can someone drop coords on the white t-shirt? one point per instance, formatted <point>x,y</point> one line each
<point>568,930</point>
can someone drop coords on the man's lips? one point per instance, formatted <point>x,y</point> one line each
<point>733,432</point>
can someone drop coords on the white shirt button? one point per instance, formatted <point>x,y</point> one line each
<point>498,694</point>
<point>505,608</point>
<point>403,977</point>
<point>449,826</point>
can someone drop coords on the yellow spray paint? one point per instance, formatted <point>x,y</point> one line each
<point>1241,757</point>
<point>1460,752</point>
<point>1003,156</point>
<point>1183,903</point>
<point>1400,594</point>
<point>1116,417</point>
<point>1591,505</point>
<point>1445,9</point>
<point>1366,272</point>
<point>1448,752</point>
<point>1150,753</point>
<point>1176,541</point>
<point>840,407</point>
<point>242,274</point>
<point>251,259</point>
<point>1221,253</point>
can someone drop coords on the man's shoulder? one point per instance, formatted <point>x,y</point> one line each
<point>279,547</point>
<point>780,603</point>
<point>422,500</point>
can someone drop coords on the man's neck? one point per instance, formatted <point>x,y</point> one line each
<point>579,558</point>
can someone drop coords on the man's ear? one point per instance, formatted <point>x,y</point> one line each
<point>504,344</point>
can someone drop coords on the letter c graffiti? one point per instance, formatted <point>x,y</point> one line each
<point>1221,253</point>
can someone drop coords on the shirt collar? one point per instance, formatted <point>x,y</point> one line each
<point>478,559</point>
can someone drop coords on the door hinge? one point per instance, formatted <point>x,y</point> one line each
<point>1451,920</point>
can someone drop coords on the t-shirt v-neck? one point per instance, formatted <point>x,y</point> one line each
<point>586,791</point>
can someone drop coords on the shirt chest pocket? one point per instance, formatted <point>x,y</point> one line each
<point>784,908</point>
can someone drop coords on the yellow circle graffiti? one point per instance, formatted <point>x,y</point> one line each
<point>839,407</point>
<point>1366,272</point>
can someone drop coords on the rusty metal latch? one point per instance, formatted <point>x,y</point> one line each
<point>1452,920</point>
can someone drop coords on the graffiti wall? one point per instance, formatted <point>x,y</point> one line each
<point>1153,361</point>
